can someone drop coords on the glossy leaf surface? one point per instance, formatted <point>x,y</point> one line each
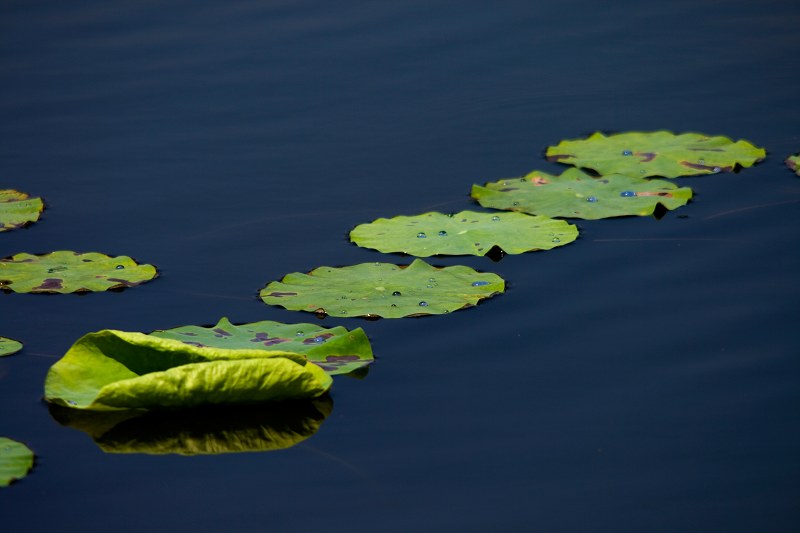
<point>16,460</point>
<point>335,350</point>
<point>9,346</point>
<point>124,370</point>
<point>17,209</point>
<point>201,431</point>
<point>659,153</point>
<point>575,194</point>
<point>383,290</point>
<point>66,271</point>
<point>464,233</point>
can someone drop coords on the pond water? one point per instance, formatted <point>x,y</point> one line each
<point>643,378</point>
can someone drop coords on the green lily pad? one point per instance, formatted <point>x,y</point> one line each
<point>66,272</point>
<point>660,153</point>
<point>383,290</point>
<point>201,431</point>
<point>464,233</point>
<point>9,346</point>
<point>335,350</point>
<point>575,194</point>
<point>17,209</point>
<point>16,460</point>
<point>793,162</point>
<point>126,370</point>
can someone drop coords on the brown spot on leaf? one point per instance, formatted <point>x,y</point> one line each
<point>313,340</point>
<point>281,294</point>
<point>556,158</point>
<point>653,193</point>
<point>124,282</point>
<point>646,157</point>
<point>220,332</point>
<point>709,168</point>
<point>50,284</point>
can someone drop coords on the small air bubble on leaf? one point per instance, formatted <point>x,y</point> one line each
<point>421,235</point>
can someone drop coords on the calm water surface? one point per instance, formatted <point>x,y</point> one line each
<point>644,378</point>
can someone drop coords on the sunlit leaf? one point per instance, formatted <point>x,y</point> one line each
<point>335,350</point>
<point>793,162</point>
<point>9,346</point>
<point>201,431</point>
<point>464,233</point>
<point>575,194</point>
<point>17,209</point>
<point>125,370</point>
<point>66,272</point>
<point>16,460</point>
<point>383,290</point>
<point>659,153</point>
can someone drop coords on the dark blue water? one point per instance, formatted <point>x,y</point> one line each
<point>644,378</point>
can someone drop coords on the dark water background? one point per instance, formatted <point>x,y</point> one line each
<point>644,378</point>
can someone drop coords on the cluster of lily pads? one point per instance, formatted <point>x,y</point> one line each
<point>110,378</point>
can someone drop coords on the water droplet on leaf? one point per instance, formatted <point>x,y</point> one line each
<point>479,283</point>
<point>443,233</point>
<point>627,152</point>
<point>396,293</point>
<point>591,199</point>
<point>717,169</point>
<point>556,239</point>
<point>627,194</point>
<point>423,304</point>
<point>495,218</point>
<point>421,235</point>
<point>120,267</point>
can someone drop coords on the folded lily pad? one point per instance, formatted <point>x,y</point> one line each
<point>383,290</point>
<point>659,153</point>
<point>793,162</point>
<point>126,370</point>
<point>9,346</point>
<point>200,431</point>
<point>464,233</point>
<point>17,209</point>
<point>575,194</point>
<point>66,272</point>
<point>16,460</point>
<point>335,350</point>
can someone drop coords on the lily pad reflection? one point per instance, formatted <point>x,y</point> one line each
<point>202,431</point>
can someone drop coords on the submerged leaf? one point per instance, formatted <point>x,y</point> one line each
<point>9,346</point>
<point>660,153</point>
<point>17,209</point>
<point>793,162</point>
<point>464,233</point>
<point>575,194</point>
<point>16,460</point>
<point>335,350</point>
<point>383,290</point>
<point>66,272</point>
<point>201,431</point>
<point>125,370</point>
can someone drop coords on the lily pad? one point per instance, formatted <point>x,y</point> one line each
<point>335,350</point>
<point>65,272</point>
<point>464,233</point>
<point>201,431</point>
<point>659,153</point>
<point>793,162</point>
<point>383,290</point>
<point>575,194</point>
<point>16,460</point>
<point>17,209</point>
<point>125,370</point>
<point>9,346</point>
